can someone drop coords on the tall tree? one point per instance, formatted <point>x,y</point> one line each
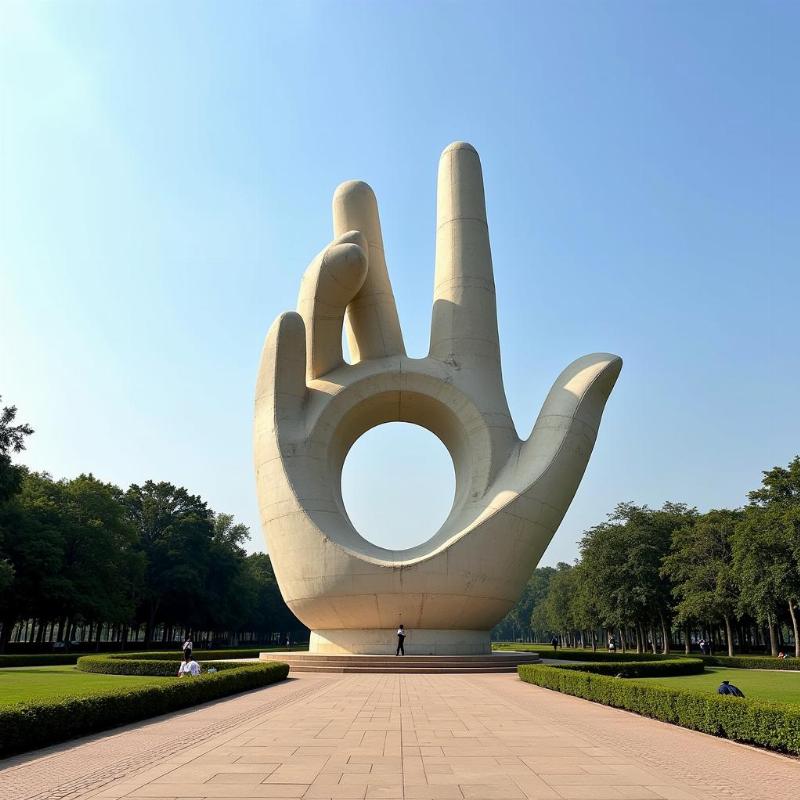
<point>700,566</point>
<point>767,550</point>
<point>175,530</point>
<point>12,440</point>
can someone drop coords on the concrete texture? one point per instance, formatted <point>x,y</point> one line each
<point>507,661</point>
<point>511,494</point>
<point>416,737</point>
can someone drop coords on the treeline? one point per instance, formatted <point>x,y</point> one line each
<point>84,561</point>
<point>656,579</point>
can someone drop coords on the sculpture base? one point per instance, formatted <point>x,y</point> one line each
<point>383,641</point>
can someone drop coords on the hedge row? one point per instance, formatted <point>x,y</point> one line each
<point>55,659</point>
<point>772,725</point>
<point>752,662</point>
<point>158,667</point>
<point>45,660</point>
<point>577,654</point>
<point>641,668</point>
<point>26,726</point>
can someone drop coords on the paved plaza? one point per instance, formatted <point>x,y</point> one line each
<point>416,737</point>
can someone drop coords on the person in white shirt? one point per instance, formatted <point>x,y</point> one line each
<point>401,637</point>
<point>187,649</point>
<point>188,667</point>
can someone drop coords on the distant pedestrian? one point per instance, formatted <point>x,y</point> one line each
<point>401,637</point>
<point>188,667</point>
<point>612,645</point>
<point>702,646</point>
<point>554,642</point>
<point>728,688</point>
<point>187,650</point>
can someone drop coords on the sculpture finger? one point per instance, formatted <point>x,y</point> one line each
<point>373,327</point>
<point>281,384</point>
<point>464,325</point>
<point>329,284</point>
<point>552,461</point>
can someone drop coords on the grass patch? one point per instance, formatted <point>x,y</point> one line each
<point>25,684</point>
<point>779,687</point>
<point>36,723</point>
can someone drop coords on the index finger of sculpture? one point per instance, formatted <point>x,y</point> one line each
<point>464,323</point>
<point>329,284</point>
<point>373,327</point>
<point>281,384</point>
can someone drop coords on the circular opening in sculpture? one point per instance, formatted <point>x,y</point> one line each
<point>398,485</point>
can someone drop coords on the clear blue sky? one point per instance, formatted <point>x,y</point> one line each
<point>166,171</point>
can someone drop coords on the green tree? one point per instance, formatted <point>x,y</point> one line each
<point>700,566</point>
<point>623,556</point>
<point>174,530</point>
<point>558,608</point>
<point>227,591</point>
<point>767,550</point>
<point>12,440</point>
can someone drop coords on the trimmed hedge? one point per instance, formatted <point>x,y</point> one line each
<point>640,668</point>
<point>772,725</point>
<point>26,726</point>
<point>577,654</point>
<point>159,667</point>
<point>42,660</point>
<point>752,662</point>
<point>56,659</point>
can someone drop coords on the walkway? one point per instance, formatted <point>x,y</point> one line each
<point>414,737</point>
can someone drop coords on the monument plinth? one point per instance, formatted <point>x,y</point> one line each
<point>311,407</point>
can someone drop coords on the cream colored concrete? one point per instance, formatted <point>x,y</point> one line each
<point>311,406</point>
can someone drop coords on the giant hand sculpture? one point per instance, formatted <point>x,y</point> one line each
<point>311,407</point>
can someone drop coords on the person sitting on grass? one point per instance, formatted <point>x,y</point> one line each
<point>188,667</point>
<point>728,688</point>
<point>781,655</point>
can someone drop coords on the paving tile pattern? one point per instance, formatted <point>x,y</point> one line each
<point>406,737</point>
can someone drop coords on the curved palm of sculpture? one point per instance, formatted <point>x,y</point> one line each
<point>311,407</point>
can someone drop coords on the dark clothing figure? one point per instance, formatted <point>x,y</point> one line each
<point>401,637</point>
<point>729,688</point>
<point>554,642</point>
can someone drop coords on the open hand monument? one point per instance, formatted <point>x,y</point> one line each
<point>311,406</point>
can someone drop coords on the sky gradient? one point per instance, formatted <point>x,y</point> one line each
<point>166,172</point>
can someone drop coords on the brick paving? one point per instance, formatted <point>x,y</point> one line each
<point>401,737</point>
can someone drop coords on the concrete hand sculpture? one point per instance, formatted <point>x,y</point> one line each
<point>311,406</point>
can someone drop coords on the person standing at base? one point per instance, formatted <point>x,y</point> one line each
<point>187,649</point>
<point>401,637</point>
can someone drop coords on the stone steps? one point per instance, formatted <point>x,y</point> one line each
<point>416,664</point>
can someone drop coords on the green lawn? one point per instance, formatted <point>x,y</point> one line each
<point>18,684</point>
<point>783,687</point>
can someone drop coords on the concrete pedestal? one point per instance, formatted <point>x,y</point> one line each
<point>382,641</point>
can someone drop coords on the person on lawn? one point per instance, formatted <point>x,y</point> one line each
<point>728,688</point>
<point>188,667</point>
